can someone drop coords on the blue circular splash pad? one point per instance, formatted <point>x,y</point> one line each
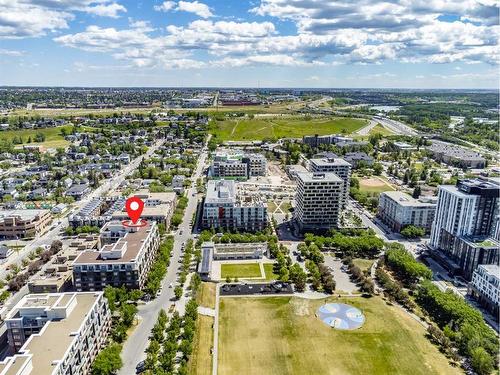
<point>341,316</point>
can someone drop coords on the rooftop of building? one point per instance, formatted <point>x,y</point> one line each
<point>59,333</point>
<point>128,246</point>
<point>407,200</point>
<point>454,151</point>
<point>330,162</point>
<point>491,269</point>
<point>319,177</point>
<point>231,192</point>
<point>22,214</point>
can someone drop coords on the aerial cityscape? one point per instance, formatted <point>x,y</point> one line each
<point>238,188</point>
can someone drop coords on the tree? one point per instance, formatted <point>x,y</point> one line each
<point>108,361</point>
<point>377,169</point>
<point>416,192</point>
<point>481,361</point>
<point>178,292</point>
<point>411,231</point>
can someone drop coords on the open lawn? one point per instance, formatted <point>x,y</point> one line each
<point>292,127</point>
<point>206,295</point>
<point>374,185</point>
<point>53,137</point>
<point>240,270</point>
<point>268,269</point>
<point>281,335</point>
<point>363,264</point>
<point>200,362</point>
<point>380,130</point>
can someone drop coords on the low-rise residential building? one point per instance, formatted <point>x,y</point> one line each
<point>485,287</point>
<point>238,165</point>
<point>319,199</point>
<point>356,159</point>
<point>457,156</point>
<point>397,210</point>
<point>78,191</point>
<point>158,207</point>
<point>124,257</point>
<point>56,334</point>
<point>17,224</point>
<point>228,205</point>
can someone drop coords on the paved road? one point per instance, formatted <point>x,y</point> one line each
<point>136,344</point>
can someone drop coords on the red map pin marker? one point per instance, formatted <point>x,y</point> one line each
<point>134,207</point>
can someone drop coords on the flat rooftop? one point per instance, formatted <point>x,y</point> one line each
<point>319,177</point>
<point>60,334</point>
<point>22,214</point>
<point>134,241</point>
<point>330,162</point>
<point>407,200</point>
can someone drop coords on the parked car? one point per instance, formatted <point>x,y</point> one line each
<point>141,367</point>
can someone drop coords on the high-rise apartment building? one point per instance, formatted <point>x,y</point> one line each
<point>338,166</point>
<point>319,200</point>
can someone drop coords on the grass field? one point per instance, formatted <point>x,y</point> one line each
<point>374,185</point>
<point>53,137</point>
<point>268,269</point>
<point>294,127</point>
<point>281,335</point>
<point>200,362</point>
<point>381,130</point>
<point>206,295</point>
<point>240,270</point>
<point>363,264</point>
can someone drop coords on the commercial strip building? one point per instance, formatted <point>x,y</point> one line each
<point>397,210</point>
<point>124,257</point>
<point>457,156</point>
<point>237,165</point>
<point>319,200</point>
<point>338,166</point>
<point>463,231</point>
<point>485,287</point>
<point>18,224</point>
<point>56,334</point>
<point>231,206</point>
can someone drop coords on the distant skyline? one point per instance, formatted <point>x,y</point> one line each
<point>258,43</point>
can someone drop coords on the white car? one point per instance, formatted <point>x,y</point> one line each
<point>170,285</point>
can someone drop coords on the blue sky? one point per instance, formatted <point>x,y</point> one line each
<point>266,43</point>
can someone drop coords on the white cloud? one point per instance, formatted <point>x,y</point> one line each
<point>195,7</point>
<point>106,10</point>
<point>165,6</point>
<point>34,18</point>
<point>200,9</point>
<point>9,52</point>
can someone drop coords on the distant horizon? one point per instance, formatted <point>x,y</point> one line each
<point>251,88</point>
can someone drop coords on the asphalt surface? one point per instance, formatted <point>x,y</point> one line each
<point>137,342</point>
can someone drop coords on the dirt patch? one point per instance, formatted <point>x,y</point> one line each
<point>300,306</point>
<point>373,182</point>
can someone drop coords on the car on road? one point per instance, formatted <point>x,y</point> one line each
<point>180,232</point>
<point>170,285</point>
<point>141,367</point>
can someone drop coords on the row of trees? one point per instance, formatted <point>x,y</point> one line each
<point>362,278</point>
<point>182,203</point>
<point>411,231</point>
<point>167,341</point>
<point>122,304</point>
<point>407,268</point>
<point>354,243</point>
<point>286,271</point>
<point>319,274</point>
<point>462,324</point>
<point>159,268</point>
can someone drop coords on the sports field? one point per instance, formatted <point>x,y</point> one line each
<point>53,136</point>
<point>240,270</point>
<point>374,185</point>
<point>281,335</point>
<point>290,127</point>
